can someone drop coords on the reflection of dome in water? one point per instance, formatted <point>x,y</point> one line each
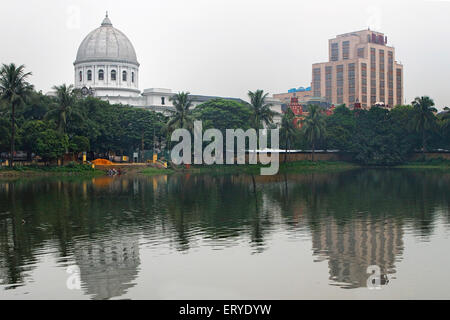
<point>108,266</point>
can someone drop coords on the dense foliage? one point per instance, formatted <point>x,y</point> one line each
<point>88,124</point>
<point>68,123</point>
<point>14,89</point>
<point>383,137</point>
<point>224,114</point>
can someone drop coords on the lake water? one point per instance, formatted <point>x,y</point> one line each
<point>294,236</point>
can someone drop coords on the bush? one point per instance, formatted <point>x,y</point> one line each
<point>72,164</point>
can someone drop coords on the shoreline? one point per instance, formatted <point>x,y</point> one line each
<point>303,166</point>
<point>50,171</point>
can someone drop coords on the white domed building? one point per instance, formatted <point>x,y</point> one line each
<point>107,64</point>
<point>106,67</point>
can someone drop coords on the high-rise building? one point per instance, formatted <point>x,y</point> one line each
<point>361,68</point>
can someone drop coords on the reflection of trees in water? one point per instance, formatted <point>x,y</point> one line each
<point>357,218</point>
<point>17,248</point>
<point>218,206</point>
<point>192,210</point>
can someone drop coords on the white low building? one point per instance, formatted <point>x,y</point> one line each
<point>106,67</point>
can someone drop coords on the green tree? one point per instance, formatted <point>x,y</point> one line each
<point>30,132</point>
<point>262,114</point>
<point>37,106</point>
<point>400,117</point>
<point>423,118</point>
<point>51,144</point>
<point>288,131</point>
<point>116,129</point>
<point>141,128</point>
<point>340,128</point>
<point>223,114</point>
<point>66,98</point>
<point>314,126</point>
<point>444,126</point>
<point>40,137</point>
<point>182,117</point>
<point>79,144</point>
<point>379,137</point>
<point>14,89</point>
<point>5,132</point>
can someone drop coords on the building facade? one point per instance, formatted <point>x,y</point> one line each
<point>303,94</point>
<point>107,67</point>
<point>106,61</point>
<point>361,68</point>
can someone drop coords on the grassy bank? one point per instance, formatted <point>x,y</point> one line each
<point>155,171</point>
<point>293,167</point>
<point>70,169</point>
<point>437,163</point>
<point>73,169</point>
<point>290,167</point>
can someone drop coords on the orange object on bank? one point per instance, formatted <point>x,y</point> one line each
<point>102,162</point>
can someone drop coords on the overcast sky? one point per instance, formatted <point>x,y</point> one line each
<point>227,47</point>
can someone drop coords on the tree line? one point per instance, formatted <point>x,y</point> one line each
<point>377,136</point>
<point>69,123</point>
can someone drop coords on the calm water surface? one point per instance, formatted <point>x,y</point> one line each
<point>215,237</point>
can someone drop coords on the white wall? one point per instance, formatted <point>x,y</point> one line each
<point>129,88</point>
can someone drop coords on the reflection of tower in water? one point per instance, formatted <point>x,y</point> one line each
<point>3,272</point>
<point>351,246</point>
<point>108,265</point>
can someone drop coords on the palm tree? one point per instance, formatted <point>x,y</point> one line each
<point>262,114</point>
<point>288,129</point>
<point>423,118</point>
<point>314,126</point>
<point>182,116</point>
<point>13,90</point>
<point>66,98</point>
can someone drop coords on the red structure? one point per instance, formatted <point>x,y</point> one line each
<point>297,109</point>
<point>300,115</point>
<point>330,111</point>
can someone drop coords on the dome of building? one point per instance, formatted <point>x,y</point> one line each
<point>106,43</point>
<point>106,65</point>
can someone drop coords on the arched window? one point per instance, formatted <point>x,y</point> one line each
<point>81,76</point>
<point>101,74</point>
<point>113,75</point>
<point>89,75</point>
<point>132,77</point>
<point>124,76</point>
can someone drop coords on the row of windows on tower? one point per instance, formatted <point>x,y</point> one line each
<point>101,75</point>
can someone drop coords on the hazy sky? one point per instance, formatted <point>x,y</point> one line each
<point>227,47</point>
